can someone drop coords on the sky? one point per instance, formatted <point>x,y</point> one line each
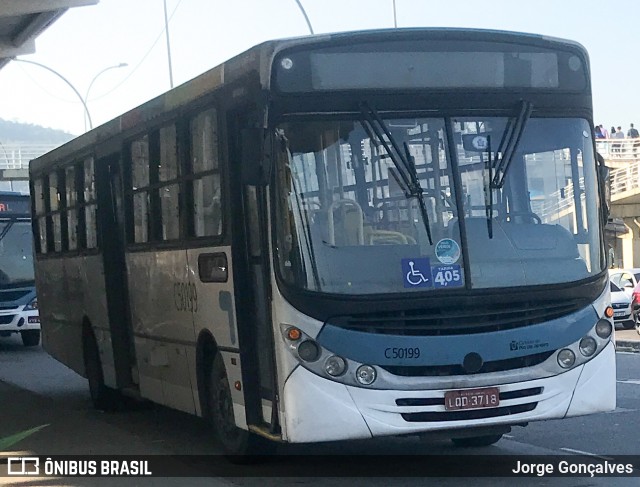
<point>204,33</point>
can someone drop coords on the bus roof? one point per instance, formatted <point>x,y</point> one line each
<point>258,59</point>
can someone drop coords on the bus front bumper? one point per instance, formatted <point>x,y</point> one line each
<point>317,409</point>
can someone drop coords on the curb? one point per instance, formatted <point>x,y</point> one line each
<point>628,346</point>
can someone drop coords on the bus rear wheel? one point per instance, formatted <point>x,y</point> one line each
<point>239,445</point>
<point>102,397</point>
<point>30,338</point>
<point>476,441</point>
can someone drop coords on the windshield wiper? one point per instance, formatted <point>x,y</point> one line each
<point>509,143</point>
<point>403,160</point>
<point>488,189</point>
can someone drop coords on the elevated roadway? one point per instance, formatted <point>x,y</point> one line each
<point>623,157</point>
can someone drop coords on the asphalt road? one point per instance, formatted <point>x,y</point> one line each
<point>35,390</point>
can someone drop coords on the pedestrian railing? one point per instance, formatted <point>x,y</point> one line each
<point>619,150</point>
<point>17,156</point>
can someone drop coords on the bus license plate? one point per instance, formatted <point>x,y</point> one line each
<point>487,397</point>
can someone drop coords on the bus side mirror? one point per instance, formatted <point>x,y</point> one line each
<point>255,156</point>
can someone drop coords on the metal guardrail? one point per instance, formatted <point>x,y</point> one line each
<point>625,179</point>
<point>17,156</point>
<point>619,150</point>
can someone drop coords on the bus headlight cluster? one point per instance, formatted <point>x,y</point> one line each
<point>587,347</point>
<point>366,375</point>
<point>335,366</point>
<point>309,351</point>
<point>604,329</point>
<point>566,358</point>
<point>325,363</point>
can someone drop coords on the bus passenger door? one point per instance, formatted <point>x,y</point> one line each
<point>111,216</point>
<point>252,287</point>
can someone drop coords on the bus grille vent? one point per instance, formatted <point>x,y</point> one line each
<point>457,369</point>
<point>460,319</point>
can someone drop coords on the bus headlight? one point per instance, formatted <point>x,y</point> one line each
<point>308,351</point>
<point>588,346</point>
<point>566,358</point>
<point>604,329</point>
<point>366,375</point>
<point>32,305</point>
<point>335,366</point>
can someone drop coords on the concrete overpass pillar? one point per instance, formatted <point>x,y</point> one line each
<point>631,243</point>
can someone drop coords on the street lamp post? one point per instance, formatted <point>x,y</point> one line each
<point>84,104</point>
<point>395,17</point>
<point>86,96</point>
<point>306,17</point>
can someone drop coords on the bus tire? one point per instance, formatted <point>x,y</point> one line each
<point>240,446</point>
<point>476,441</point>
<point>30,338</point>
<point>102,397</point>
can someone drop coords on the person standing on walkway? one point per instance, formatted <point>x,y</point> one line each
<point>633,134</point>
<point>599,134</point>
<point>617,134</point>
<point>604,131</point>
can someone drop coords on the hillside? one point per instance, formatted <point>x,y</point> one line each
<point>26,133</point>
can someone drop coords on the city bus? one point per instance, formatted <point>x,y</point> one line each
<point>18,302</point>
<point>339,237</point>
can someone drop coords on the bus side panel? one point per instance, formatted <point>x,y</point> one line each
<point>69,290</point>
<point>216,313</point>
<point>161,312</point>
<point>94,299</point>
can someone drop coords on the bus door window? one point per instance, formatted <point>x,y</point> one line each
<point>54,206</point>
<point>90,218</point>
<point>169,191</point>
<point>140,183</point>
<point>40,214</point>
<point>70,203</point>
<point>206,184</point>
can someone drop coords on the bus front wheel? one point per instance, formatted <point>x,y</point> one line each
<point>238,444</point>
<point>102,397</point>
<point>30,338</point>
<point>476,441</point>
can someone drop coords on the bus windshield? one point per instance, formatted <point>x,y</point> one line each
<point>348,223</point>
<point>16,254</point>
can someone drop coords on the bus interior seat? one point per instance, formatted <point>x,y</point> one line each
<point>347,227</point>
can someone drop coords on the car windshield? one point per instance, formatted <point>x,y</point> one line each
<point>347,222</point>
<point>614,288</point>
<point>16,253</point>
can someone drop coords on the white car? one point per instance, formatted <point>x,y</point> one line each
<point>625,279</point>
<point>19,314</point>
<point>622,313</point>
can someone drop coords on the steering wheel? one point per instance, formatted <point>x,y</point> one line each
<point>509,216</point>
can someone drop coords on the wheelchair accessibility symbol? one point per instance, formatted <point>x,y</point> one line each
<point>417,272</point>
